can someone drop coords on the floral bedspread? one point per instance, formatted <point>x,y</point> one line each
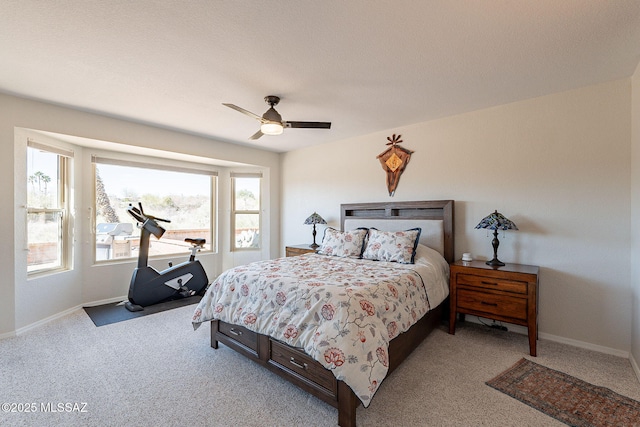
<point>341,311</point>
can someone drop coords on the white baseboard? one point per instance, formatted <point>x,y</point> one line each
<point>7,335</point>
<point>575,343</point>
<point>585,345</point>
<point>104,301</point>
<point>61,314</point>
<point>47,320</point>
<point>634,365</point>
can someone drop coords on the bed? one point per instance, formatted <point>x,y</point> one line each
<point>251,308</point>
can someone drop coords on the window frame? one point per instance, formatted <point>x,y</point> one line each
<point>235,212</point>
<point>63,182</point>
<point>145,162</point>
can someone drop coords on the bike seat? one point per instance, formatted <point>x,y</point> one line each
<point>197,242</point>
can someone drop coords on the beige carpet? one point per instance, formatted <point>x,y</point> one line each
<point>156,371</point>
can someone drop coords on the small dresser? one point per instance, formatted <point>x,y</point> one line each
<point>508,294</point>
<point>295,250</point>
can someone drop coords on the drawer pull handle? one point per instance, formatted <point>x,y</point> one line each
<point>493,304</point>
<point>299,365</point>
<point>489,283</point>
<point>235,332</point>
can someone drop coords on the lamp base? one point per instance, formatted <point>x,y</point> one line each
<point>495,263</point>
<point>314,245</point>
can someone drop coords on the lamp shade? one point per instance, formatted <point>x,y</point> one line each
<point>496,221</point>
<point>314,218</point>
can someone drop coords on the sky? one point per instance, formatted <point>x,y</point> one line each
<point>141,181</point>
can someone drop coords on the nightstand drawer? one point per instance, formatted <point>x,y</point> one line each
<point>502,305</point>
<point>492,283</point>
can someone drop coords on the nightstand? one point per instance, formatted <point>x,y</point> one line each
<point>508,294</point>
<point>295,250</point>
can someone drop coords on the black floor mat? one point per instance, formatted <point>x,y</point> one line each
<point>116,312</point>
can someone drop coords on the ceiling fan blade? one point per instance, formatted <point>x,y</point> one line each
<point>308,125</point>
<point>256,135</point>
<point>243,111</point>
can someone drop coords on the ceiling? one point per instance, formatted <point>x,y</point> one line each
<point>364,65</point>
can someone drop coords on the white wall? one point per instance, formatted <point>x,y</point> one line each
<point>28,301</point>
<point>558,166</point>
<point>635,217</point>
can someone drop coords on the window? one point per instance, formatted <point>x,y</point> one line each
<point>245,216</point>
<point>48,230</point>
<point>183,196</point>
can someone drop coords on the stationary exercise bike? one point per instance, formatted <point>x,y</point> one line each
<point>149,286</point>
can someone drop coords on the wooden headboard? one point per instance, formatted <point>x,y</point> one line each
<point>436,212</point>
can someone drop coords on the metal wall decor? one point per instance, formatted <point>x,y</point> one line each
<point>394,160</point>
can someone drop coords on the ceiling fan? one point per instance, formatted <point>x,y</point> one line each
<point>271,121</point>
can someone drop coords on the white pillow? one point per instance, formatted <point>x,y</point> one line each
<point>395,246</point>
<point>343,243</point>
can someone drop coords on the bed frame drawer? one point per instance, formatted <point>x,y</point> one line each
<point>294,360</point>
<point>309,374</point>
<point>240,334</point>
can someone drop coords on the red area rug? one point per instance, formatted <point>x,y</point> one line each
<point>566,398</point>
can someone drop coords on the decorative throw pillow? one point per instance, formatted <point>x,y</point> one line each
<point>343,243</point>
<point>397,246</point>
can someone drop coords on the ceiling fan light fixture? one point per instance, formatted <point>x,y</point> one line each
<point>271,128</point>
<point>271,121</point>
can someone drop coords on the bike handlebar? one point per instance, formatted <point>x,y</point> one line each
<point>139,215</point>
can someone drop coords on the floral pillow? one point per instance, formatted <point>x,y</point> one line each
<point>343,243</point>
<point>396,246</point>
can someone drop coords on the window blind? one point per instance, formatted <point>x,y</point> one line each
<point>118,162</point>
<point>246,174</point>
<point>49,148</point>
